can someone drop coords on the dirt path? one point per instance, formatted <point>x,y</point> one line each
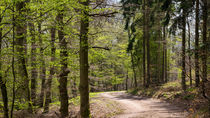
<point>139,107</point>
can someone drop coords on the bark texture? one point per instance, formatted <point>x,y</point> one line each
<point>183,52</point>
<point>84,67</point>
<point>34,73</point>
<point>3,83</point>
<point>21,29</point>
<point>52,72</point>
<point>64,67</point>
<point>197,78</point>
<point>42,71</point>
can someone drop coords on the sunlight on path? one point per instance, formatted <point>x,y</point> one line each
<point>139,107</point>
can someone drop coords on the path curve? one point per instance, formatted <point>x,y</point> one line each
<point>141,107</point>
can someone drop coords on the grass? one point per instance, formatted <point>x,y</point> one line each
<point>76,100</point>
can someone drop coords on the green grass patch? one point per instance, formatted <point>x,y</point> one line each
<point>76,100</point>
<point>171,84</point>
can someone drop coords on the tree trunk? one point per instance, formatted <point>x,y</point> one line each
<point>42,71</point>
<point>197,78</point>
<point>183,52</point>
<point>148,42</point>
<point>189,56</point>
<point>21,30</point>
<point>13,62</point>
<point>159,53</point>
<point>165,55</point>
<point>34,72</point>
<point>144,45</point>
<point>134,71</point>
<point>52,72</point>
<point>84,81</point>
<point>205,47</point>
<point>126,84</point>
<point>64,67</point>
<point>3,83</point>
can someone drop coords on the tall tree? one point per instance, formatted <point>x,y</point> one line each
<point>64,66</point>
<point>148,3</point>
<point>84,81</point>
<point>52,71</point>
<point>197,78</point>
<point>2,82</point>
<point>205,46</point>
<point>34,72</point>
<point>144,43</point>
<point>165,55</point>
<point>183,51</point>
<point>21,30</point>
<point>42,71</point>
<point>189,56</point>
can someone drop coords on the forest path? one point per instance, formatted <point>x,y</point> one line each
<point>141,107</point>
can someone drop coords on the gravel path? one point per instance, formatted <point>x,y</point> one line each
<point>140,107</point>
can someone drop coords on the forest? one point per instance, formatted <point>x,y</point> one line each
<point>105,58</point>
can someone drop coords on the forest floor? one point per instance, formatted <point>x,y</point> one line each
<point>164,101</point>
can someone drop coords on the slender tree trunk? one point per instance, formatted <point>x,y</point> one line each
<point>159,53</point>
<point>163,64</point>
<point>84,67</point>
<point>64,67</point>
<point>148,42</point>
<point>197,78</point>
<point>205,47</point>
<point>134,71</point>
<point>34,72</point>
<point>189,56</point>
<point>13,63</point>
<point>183,52</point>
<point>144,44</point>
<point>21,38</point>
<point>52,72</point>
<point>165,55</point>
<point>3,83</point>
<point>42,71</point>
<point>204,57</point>
<point>126,84</point>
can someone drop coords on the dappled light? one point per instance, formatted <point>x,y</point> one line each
<point>104,58</point>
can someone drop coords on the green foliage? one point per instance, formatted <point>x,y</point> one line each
<point>189,97</point>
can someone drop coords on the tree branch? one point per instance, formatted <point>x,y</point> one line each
<point>105,48</point>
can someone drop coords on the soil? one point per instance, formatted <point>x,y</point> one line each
<point>143,107</point>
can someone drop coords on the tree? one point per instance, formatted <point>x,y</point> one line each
<point>34,72</point>
<point>84,81</point>
<point>52,72</point>
<point>204,51</point>
<point>64,66</point>
<point>189,56</point>
<point>197,78</point>
<point>183,51</point>
<point>2,82</point>
<point>147,23</point>
<point>144,43</point>
<point>21,30</point>
<point>42,71</point>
